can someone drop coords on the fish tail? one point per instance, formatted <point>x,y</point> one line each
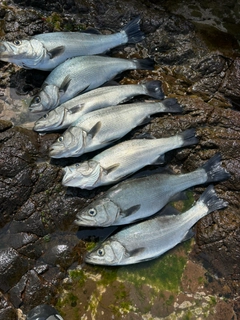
<point>133,32</point>
<point>214,170</point>
<point>211,200</point>
<point>154,89</point>
<point>144,64</point>
<point>189,137</point>
<point>171,105</point>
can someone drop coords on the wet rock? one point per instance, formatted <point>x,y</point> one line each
<point>7,311</point>
<point>10,262</point>
<point>38,238</point>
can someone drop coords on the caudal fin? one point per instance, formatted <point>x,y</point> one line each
<point>154,89</point>
<point>172,105</point>
<point>133,31</point>
<point>211,200</point>
<point>188,137</point>
<point>214,170</point>
<point>144,64</point>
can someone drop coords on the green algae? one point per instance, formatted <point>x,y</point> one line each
<point>164,273</point>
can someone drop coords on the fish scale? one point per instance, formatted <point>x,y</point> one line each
<point>70,111</point>
<point>46,51</point>
<point>78,74</point>
<point>128,201</point>
<point>99,128</point>
<point>122,160</point>
<point>151,238</point>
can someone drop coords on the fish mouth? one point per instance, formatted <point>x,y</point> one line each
<point>79,222</point>
<point>3,48</point>
<point>36,109</point>
<point>68,176</point>
<point>83,222</point>
<point>54,152</point>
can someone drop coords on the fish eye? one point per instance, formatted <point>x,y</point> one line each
<point>92,212</point>
<point>37,100</point>
<point>17,42</point>
<point>101,252</point>
<point>45,116</point>
<point>60,139</point>
<point>77,164</point>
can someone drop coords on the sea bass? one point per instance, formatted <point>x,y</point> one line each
<point>97,129</point>
<point>122,160</point>
<point>70,111</point>
<point>46,51</point>
<point>128,201</point>
<point>81,74</point>
<point>151,238</point>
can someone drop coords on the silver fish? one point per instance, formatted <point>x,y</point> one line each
<point>46,51</point>
<point>128,201</point>
<point>43,311</point>
<point>151,238</point>
<point>70,111</point>
<point>78,75</point>
<point>97,129</point>
<point>123,159</point>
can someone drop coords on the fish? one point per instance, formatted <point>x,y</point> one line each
<point>98,129</point>
<point>65,114</point>
<point>122,160</point>
<point>43,312</point>
<point>78,75</point>
<point>128,201</point>
<point>46,51</point>
<point>149,239</point>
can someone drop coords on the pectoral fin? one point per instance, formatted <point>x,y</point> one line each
<point>65,84</point>
<point>135,252</point>
<point>111,168</point>
<point>131,210</point>
<point>56,52</point>
<point>94,130</point>
<point>75,109</point>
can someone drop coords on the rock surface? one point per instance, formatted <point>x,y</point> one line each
<point>38,238</point>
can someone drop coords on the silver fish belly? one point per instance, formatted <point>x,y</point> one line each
<point>100,128</point>
<point>122,160</point>
<point>70,111</point>
<point>46,51</point>
<point>151,238</point>
<point>128,201</point>
<point>78,75</point>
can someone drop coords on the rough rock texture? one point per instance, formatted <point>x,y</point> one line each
<point>37,236</point>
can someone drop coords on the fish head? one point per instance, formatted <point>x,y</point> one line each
<point>49,121</point>
<point>83,175</point>
<point>70,144</point>
<point>21,52</point>
<point>47,99</point>
<point>101,213</point>
<point>111,252</point>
